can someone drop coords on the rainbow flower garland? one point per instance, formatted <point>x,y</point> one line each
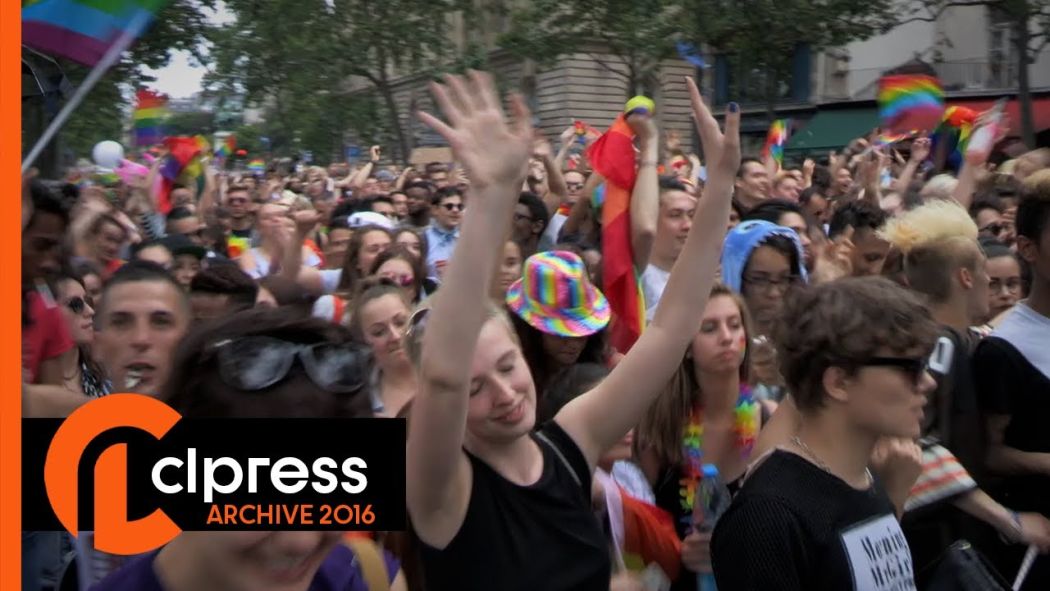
<point>746,417</point>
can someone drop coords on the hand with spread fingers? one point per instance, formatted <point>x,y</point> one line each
<point>494,151</point>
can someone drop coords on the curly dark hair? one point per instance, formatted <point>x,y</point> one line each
<point>843,324</point>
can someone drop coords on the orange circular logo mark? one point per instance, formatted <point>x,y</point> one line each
<point>113,532</point>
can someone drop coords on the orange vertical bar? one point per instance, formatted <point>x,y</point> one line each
<point>10,302</point>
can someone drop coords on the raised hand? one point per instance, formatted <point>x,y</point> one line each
<point>721,150</point>
<point>920,149</point>
<point>493,150</point>
<point>673,141</point>
<point>643,127</point>
<point>541,148</point>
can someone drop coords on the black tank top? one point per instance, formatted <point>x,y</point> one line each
<point>542,536</point>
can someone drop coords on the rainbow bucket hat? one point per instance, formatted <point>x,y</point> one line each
<point>555,296</point>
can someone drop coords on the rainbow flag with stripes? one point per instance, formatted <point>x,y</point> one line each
<point>910,102</point>
<point>954,133</point>
<point>257,166</point>
<point>612,156</point>
<point>227,147</point>
<point>83,30</point>
<point>776,138</point>
<point>150,111</point>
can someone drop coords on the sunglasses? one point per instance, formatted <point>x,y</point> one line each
<point>453,206</point>
<point>77,304</point>
<point>993,229</point>
<point>258,362</point>
<point>913,367</point>
<point>574,185</point>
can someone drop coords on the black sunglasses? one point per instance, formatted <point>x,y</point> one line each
<point>453,206</point>
<point>258,362</point>
<point>994,229</point>
<point>77,304</point>
<point>914,367</point>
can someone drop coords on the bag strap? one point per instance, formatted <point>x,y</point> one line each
<point>565,461</point>
<point>373,567</point>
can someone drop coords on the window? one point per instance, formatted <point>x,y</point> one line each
<point>740,78</point>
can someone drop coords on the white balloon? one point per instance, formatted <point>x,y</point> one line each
<point>108,154</point>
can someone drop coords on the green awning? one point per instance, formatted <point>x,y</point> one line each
<point>831,130</point>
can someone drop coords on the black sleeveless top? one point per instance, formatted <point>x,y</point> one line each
<point>542,536</point>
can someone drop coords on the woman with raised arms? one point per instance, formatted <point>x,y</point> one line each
<point>496,505</point>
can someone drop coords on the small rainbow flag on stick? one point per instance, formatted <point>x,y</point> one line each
<point>257,166</point>
<point>83,30</point>
<point>775,140</point>
<point>910,102</point>
<point>150,112</point>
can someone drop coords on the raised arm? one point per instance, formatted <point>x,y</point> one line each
<point>920,151</point>
<point>645,199</point>
<point>600,417</point>
<point>496,155</point>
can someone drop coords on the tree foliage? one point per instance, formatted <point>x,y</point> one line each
<point>1029,22</point>
<point>311,63</point>
<point>105,112</point>
<point>640,33</point>
<point>634,34</point>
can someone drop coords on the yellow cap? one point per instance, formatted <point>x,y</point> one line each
<point>640,102</point>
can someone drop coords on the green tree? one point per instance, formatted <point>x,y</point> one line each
<point>307,71</point>
<point>633,34</point>
<point>1029,22</point>
<point>191,123</point>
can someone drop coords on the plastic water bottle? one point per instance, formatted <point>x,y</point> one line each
<point>711,502</point>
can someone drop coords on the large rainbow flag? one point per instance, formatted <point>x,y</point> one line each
<point>612,156</point>
<point>910,102</point>
<point>150,111</point>
<point>83,30</point>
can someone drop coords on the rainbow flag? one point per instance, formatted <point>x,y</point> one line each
<point>183,152</point>
<point>236,246</point>
<point>83,30</point>
<point>150,111</point>
<point>612,156</point>
<point>776,138</point>
<point>954,133</point>
<point>227,147</point>
<point>257,166</point>
<point>910,102</point>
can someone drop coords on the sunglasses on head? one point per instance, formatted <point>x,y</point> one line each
<point>453,206</point>
<point>258,362</point>
<point>77,304</point>
<point>913,367</point>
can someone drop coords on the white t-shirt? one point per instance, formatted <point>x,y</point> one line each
<point>550,235</point>
<point>654,280</point>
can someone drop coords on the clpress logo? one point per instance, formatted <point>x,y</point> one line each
<point>135,472</point>
<point>114,532</point>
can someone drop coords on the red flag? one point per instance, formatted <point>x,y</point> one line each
<point>612,156</point>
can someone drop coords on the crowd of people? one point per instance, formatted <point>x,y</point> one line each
<point>858,348</point>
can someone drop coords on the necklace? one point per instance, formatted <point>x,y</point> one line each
<point>820,463</point>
